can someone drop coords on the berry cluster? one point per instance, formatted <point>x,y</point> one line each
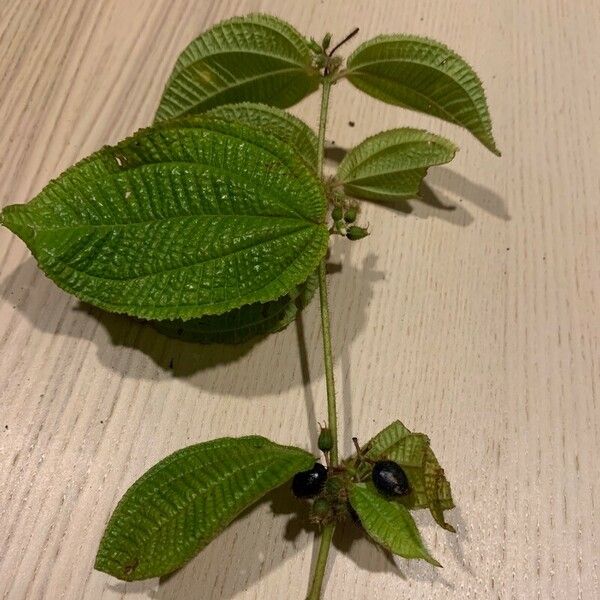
<point>331,492</point>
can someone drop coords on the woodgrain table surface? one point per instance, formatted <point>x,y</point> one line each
<point>478,324</point>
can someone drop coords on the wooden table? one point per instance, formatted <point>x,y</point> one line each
<point>476,323</point>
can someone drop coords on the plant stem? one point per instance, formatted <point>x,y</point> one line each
<point>327,534</point>
<point>329,380</point>
<point>317,581</point>
<point>325,324</point>
<point>323,123</point>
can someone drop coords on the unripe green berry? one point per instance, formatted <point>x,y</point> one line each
<point>351,214</point>
<point>326,41</point>
<point>320,509</point>
<point>356,233</point>
<point>337,213</point>
<point>325,440</point>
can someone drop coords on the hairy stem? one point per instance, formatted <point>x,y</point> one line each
<point>325,325</point>
<point>327,534</point>
<point>317,582</point>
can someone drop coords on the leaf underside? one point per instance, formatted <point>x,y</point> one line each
<point>195,217</point>
<point>389,523</point>
<point>242,324</point>
<point>429,487</point>
<point>423,75</point>
<point>187,499</point>
<point>255,58</point>
<point>391,165</point>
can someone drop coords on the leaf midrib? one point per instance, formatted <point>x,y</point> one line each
<point>372,157</point>
<point>431,66</point>
<point>177,96</point>
<point>179,268</point>
<point>198,216</point>
<point>233,23</point>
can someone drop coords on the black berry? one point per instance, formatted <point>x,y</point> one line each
<point>308,484</point>
<point>389,478</point>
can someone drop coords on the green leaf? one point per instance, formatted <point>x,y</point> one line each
<point>192,218</point>
<point>275,122</point>
<point>241,324</point>
<point>389,523</point>
<point>252,320</point>
<point>392,164</point>
<point>183,502</point>
<point>428,484</point>
<point>255,58</point>
<point>424,75</point>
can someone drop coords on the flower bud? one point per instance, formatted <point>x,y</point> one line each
<point>351,214</point>
<point>356,233</point>
<point>325,442</point>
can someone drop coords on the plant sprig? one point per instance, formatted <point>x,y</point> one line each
<point>214,224</point>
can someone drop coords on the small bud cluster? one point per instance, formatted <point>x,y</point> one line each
<point>344,214</point>
<point>322,58</point>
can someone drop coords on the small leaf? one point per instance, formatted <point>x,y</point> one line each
<point>429,487</point>
<point>183,220</point>
<point>187,499</point>
<point>392,164</point>
<point>255,58</point>
<point>275,122</point>
<point>389,523</point>
<point>244,323</point>
<point>424,75</point>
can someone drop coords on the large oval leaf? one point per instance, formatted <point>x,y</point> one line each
<point>392,164</point>
<point>254,58</point>
<point>242,324</point>
<point>424,75</point>
<point>252,320</point>
<point>389,523</point>
<point>194,218</point>
<point>276,122</point>
<point>187,499</point>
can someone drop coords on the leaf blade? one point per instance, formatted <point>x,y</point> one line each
<point>184,501</point>
<point>423,75</point>
<point>244,323</point>
<point>255,58</point>
<point>392,164</point>
<point>279,123</point>
<point>429,487</point>
<point>389,523</point>
<point>179,221</point>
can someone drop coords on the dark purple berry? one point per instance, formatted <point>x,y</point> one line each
<point>390,479</point>
<point>308,484</point>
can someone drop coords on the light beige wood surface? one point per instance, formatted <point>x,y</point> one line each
<point>478,325</point>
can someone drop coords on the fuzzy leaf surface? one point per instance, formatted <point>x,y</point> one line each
<point>388,522</point>
<point>187,499</point>
<point>255,58</point>
<point>242,324</point>
<point>191,218</point>
<point>429,487</point>
<point>391,165</point>
<point>252,320</point>
<point>276,122</point>
<point>423,75</point>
